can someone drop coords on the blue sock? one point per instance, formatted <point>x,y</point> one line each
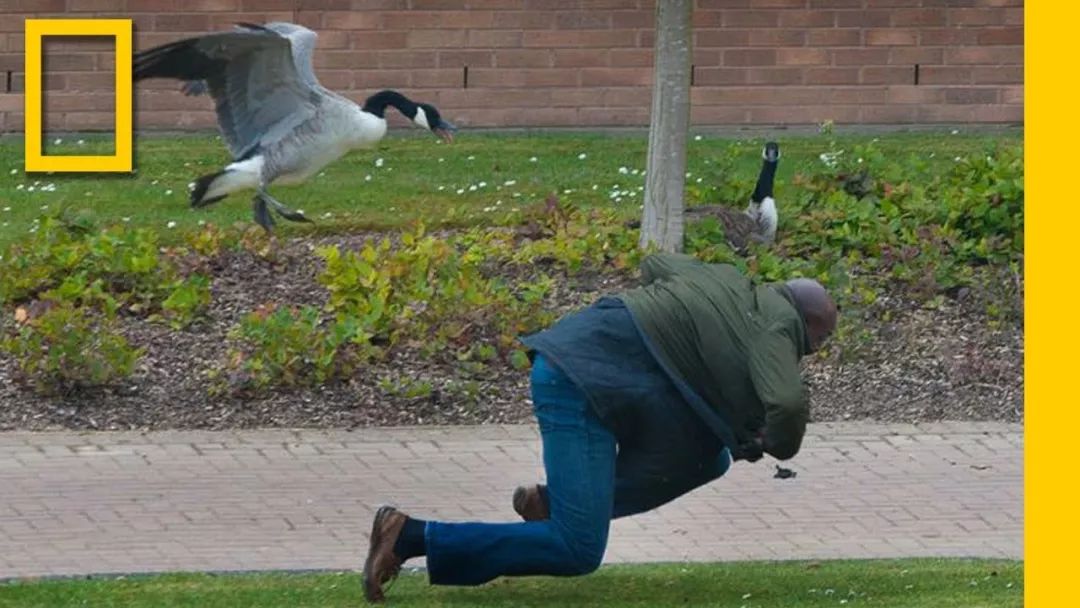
<point>410,543</point>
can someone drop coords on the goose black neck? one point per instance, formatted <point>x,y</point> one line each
<point>376,104</point>
<point>764,181</point>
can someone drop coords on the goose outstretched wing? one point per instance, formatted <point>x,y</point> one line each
<point>251,74</point>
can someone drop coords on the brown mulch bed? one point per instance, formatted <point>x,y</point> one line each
<point>910,365</point>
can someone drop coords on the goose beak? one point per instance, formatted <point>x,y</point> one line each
<point>446,131</point>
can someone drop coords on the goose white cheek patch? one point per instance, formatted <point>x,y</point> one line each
<point>421,118</point>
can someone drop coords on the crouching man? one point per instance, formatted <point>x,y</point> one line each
<point>640,398</point>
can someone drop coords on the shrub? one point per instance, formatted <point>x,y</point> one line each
<point>68,347</point>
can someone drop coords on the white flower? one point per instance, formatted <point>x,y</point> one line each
<point>697,138</point>
<point>470,157</point>
<point>202,222</point>
<point>168,193</point>
<point>125,219</point>
<point>87,193</point>
<point>367,178</point>
<point>44,207</point>
<point>510,182</point>
<point>482,184</point>
<point>378,162</point>
<point>328,214</point>
<point>582,156</point>
<point>533,159</point>
<point>6,224</point>
<point>472,188</point>
<point>80,142</point>
<point>31,188</point>
<point>461,191</point>
<point>322,173</point>
<point>568,191</point>
<point>154,183</point>
<point>14,171</point>
<point>595,187</point>
<point>698,180</point>
<point>171,225</point>
<point>442,160</point>
<point>688,174</point>
<point>7,208</point>
<point>441,188</point>
<point>957,159</point>
<point>19,187</point>
<point>624,170</point>
<point>956,131</point>
<point>58,141</point>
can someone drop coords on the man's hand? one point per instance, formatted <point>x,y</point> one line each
<point>751,451</point>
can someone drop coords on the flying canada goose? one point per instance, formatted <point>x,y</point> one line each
<point>758,221</point>
<point>279,123</point>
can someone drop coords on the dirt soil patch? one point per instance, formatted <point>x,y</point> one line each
<point>911,364</point>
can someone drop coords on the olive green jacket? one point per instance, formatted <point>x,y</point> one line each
<point>736,344</point>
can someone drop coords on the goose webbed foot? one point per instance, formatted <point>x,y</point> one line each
<point>282,210</point>
<point>262,214</point>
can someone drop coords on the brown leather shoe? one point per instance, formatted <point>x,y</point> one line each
<point>382,563</point>
<point>529,503</point>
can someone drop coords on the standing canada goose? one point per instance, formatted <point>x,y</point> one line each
<point>279,123</point>
<point>759,220</point>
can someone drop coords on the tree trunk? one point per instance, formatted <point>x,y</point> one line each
<point>669,125</point>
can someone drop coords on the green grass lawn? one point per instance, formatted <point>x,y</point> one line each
<point>922,583</point>
<point>476,180</point>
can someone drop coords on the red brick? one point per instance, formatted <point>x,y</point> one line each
<point>746,57</point>
<point>451,59</point>
<point>624,97</point>
<point>617,77</point>
<point>350,20</point>
<point>632,58</point>
<point>1004,35</point>
<point>576,58</point>
<point>807,18</point>
<point>700,18</point>
<point>831,75</point>
<point>717,115</point>
<point>736,18</point>
<point>1012,95</point>
<point>891,37</point>
<point>91,82</point>
<point>375,40</point>
<point>922,17</point>
<point>777,37</point>
<point>913,55</point>
<point>370,80</point>
<point>583,20</point>
<point>719,76</point>
<point>914,94</point>
<point>861,95</point>
<point>985,55</point>
<point>579,38</point>
<point>861,56</point>
<point>945,75</point>
<point>888,114</point>
<point>436,38</point>
<point>532,58</point>
<point>887,75</point>
<point>804,56</point>
<point>896,3</point>
<point>607,118</point>
<point>268,5</point>
<point>971,95</point>
<point>948,36</point>
<point>721,38</point>
<point>756,75</point>
<point>182,23</point>
<point>524,20</point>
<point>976,16</point>
<point>438,78</point>
<point>494,38</point>
<point>198,6</point>
<point>407,59</point>
<point>80,6</point>
<point>998,74</point>
<point>408,20</point>
<point>863,18</point>
<point>834,38</point>
<point>633,19</point>
<point>345,59</point>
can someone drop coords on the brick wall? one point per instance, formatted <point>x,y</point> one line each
<point>575,62</point>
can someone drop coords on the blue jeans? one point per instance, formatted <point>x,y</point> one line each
<point>583,497</point>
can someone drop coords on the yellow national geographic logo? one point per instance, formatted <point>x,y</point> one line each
<point>120,30</point>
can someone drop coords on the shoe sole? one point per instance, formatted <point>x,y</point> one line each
<point>373,589</point>
<point>520,500</point>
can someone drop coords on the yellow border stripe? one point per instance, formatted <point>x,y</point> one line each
<point>1051,401</point>
<point>121,31</point>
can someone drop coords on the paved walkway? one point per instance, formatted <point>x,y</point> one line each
<point>129,502</point>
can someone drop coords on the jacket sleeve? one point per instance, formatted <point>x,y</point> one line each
<point>660,266</point>
<point>774,369</point>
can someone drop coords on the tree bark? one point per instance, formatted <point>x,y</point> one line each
<point>669,126</point>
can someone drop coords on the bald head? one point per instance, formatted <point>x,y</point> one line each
<point>818,309</point>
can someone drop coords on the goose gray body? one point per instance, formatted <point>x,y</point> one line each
<point>278,122</point>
